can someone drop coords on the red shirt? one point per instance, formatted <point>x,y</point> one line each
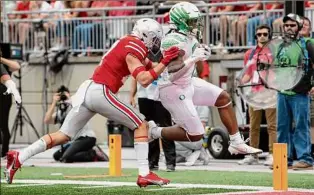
<point>113,68</point>
<point>242,7</point>
<point>205,72</point>
<point>269,6</point>
<point>21,6</point>
<point>122,4</point>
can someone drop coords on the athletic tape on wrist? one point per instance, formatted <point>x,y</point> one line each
<point>153,73</point>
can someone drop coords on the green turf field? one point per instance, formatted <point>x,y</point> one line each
<point>46,175</point>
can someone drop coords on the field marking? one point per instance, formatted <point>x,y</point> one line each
<point>27,185</point>
<point>264,193</point>
<point>161,189</point>
<point>174,185</point>
<point>87,187</point>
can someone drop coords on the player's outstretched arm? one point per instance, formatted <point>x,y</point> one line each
<point>13,65</point>
<point>144,76</point>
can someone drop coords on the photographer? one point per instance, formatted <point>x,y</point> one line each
<point>7,86</point>
<point>83,148</point>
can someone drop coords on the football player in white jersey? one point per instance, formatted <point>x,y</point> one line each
<point>180,91</point>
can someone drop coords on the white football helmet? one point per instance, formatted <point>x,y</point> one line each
<point>150,32</point>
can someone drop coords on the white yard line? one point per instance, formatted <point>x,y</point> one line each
<point>87,187</point>
<point>26,185</point>
<point>256,192</point>
<point>161,189</point>
<point>174,185</point>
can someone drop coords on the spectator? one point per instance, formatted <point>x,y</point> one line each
<point>223,20</point>
<point>83,148</point>
<point>241,22</point>
<point>263,35</point>
<point>306,30</point>
<point>119,27</point>
<point>278,24</point>
<point>257,20</point>
<point>23,27</point>
<point>66,24</point>
<point>40,6</point>
<point>294,104</point>
<point>85,32</point>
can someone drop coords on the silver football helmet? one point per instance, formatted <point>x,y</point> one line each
<point>150,32</point>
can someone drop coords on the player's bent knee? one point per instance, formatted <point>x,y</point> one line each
<point>62,137</point>
<point>141,133</point>
<point>194,138</point>
<point>223,100</point>
<point>55,139</point>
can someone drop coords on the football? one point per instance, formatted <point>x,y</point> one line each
<point>177,63</point>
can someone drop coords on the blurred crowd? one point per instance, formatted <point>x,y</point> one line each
<point>234,29</point>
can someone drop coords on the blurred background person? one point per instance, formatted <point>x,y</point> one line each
<point>262,35</point>
<point>7,87</point>
<point>261,19</point>
<point>67,23</point>
<point>90,34</point>
<point>240,24</point>
<point>306,30</point>
<point>152,109</point>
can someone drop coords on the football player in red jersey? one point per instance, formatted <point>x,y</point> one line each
<point>128,56</point>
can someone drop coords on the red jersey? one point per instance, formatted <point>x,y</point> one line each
<point>113,68</point>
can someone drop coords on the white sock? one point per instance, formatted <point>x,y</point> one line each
<point>236,138</point>
<point>36,148</point>
<point>141,149</point>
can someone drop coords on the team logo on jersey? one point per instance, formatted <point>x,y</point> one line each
<point>181,97</point>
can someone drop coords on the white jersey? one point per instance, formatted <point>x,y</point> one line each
<point>150,92</point>
<point>188,44</point>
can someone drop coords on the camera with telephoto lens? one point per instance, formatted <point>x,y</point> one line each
<point>62,90</point>
<point>63,104</point>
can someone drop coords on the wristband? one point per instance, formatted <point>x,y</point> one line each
<point>153,73</point>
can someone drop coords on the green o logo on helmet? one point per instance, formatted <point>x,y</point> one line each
<point>185,16</point>
<point>179,16</point>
